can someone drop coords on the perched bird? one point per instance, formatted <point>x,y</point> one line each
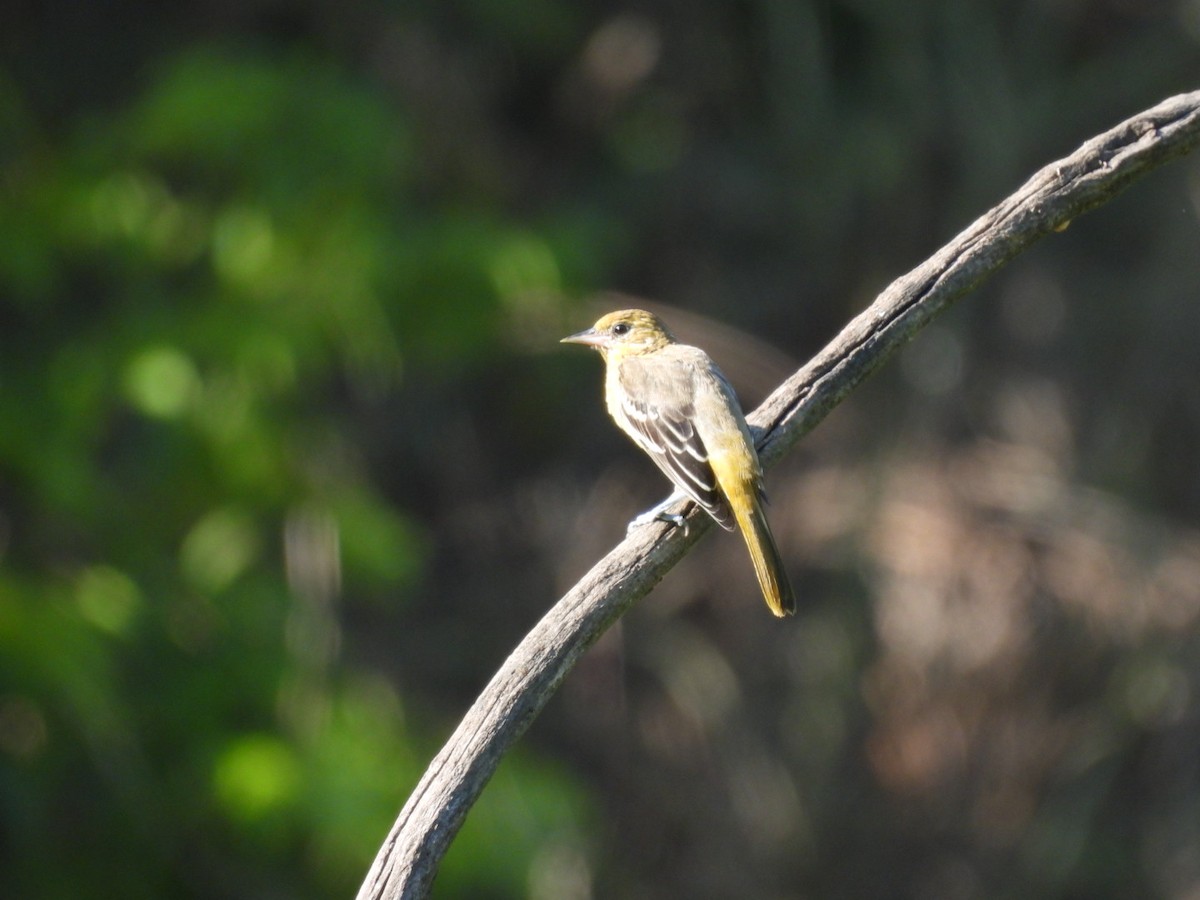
<point>678,407</point>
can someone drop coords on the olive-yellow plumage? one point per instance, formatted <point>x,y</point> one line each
<point>675,404</point>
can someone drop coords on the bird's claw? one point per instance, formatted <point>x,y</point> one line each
<point>676,520</point>
<point>660,514</point>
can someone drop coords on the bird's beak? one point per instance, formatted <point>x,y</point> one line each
<point>590,338</point>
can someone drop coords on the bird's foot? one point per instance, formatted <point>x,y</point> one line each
<point>660,514</point>
<point>676,520</point>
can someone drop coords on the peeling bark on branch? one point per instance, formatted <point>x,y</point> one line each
<point>1046,203</point>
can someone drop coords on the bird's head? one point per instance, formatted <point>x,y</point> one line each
<point>626,332</point>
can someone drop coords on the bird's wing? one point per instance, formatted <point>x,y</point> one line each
<point>658,405</point>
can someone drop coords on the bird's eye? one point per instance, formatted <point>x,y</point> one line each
<point>621,328</point>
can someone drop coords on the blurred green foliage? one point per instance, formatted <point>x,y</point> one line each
<point>194,281</point>
<point>286,467</point>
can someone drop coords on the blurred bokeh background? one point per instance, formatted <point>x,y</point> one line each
<point>290,458</point>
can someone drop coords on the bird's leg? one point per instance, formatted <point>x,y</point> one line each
<point>659,514</point>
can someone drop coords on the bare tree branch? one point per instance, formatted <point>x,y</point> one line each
<point>1062,191</point>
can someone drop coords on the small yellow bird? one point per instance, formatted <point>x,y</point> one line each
<point>678,407</point>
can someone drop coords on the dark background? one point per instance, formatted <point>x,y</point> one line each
<point>290,457</point>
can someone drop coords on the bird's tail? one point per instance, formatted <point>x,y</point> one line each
<point>768,564</point>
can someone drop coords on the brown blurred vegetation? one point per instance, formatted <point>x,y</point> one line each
<point>290,457</point>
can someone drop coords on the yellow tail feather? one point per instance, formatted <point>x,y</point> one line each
<point>768,564</point>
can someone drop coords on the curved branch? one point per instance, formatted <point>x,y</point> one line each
<point>1047,202</point>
